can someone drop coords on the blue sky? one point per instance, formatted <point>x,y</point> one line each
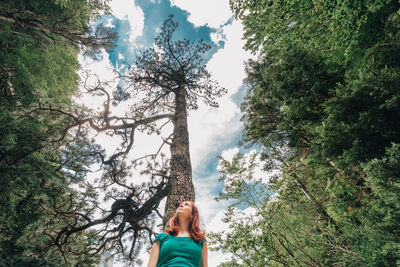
<point>212,132</point>
<point>154,15</point>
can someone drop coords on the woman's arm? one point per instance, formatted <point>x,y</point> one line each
<point>155,252</point>
<point>204,261</point>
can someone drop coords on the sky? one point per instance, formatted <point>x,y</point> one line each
<point>212,131</point>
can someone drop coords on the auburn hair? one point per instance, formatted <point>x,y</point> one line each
<point>196,233</point>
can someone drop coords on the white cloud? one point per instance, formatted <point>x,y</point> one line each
<point>216,225</point>
<point>228,154</point>
<point>218,11</point>
<point>127,10</point>
<point>211,129</point>
<point>109,23</point>
<point>211,213</point>
<point>208,207</point>
<point>102,68</point>
<point>227,65</point>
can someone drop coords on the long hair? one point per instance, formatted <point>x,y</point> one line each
<point>196,233</point>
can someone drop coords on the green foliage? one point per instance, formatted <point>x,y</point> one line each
<point>31,185</point>
<point>340,28</point>
<point>244,237</point>
<point>381,216</point>
<point>35,172</point>
<point>286,96</point>
<point>270,231</point>
<point>240,185</point>
<point>323,105</point>
<point>67,22</point>
<point>361,117</point>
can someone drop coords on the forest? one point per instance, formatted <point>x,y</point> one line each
<point>321,111</point>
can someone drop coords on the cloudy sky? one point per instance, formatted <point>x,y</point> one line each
<point>212,131</point>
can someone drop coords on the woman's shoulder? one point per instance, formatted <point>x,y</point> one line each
<point>161,237</point>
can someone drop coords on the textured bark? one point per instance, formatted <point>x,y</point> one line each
<point>182,188</point>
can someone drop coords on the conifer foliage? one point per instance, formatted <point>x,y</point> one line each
<point>40,41</point>
<point>323,107</point>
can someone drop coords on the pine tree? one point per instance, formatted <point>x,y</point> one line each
<point>322,105</point>
<point>165,83</point>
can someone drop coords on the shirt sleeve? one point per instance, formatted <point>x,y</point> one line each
<point>161,237</point>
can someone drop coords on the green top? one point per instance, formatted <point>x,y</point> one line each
<point>178,251</point>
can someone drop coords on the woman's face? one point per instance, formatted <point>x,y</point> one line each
<point>185,209</point>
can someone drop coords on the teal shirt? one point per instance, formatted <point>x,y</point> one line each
<point>178,251</point>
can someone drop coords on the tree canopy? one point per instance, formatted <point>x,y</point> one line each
<point>38,66</point>
<point>323,106</point>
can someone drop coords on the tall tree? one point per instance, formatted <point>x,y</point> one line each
<point>164,83</point>
<point>325,89</point>
<point>59,22</point>
<point>39,66</point>
<point>173,76</point>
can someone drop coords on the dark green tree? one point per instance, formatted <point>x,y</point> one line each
<point>322,104</point>
<point>38,64</point>
<point>59,22</point>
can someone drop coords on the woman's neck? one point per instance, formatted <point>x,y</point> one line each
<point>183,228</point>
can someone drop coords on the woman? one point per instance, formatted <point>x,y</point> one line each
<point>183,243</point>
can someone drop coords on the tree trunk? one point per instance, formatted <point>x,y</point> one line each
<point>182,188</point>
